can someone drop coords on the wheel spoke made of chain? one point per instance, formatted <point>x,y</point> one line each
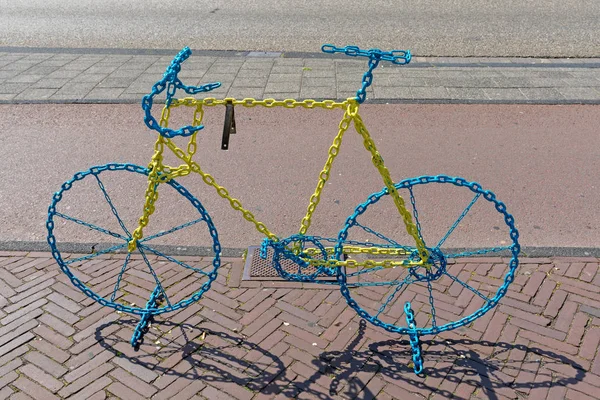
<point>110,203</point>
<point>96,254</point>
<point>415,213</point>
<point>379,235</point>
<point>460,218</point>
<point>393,294</point>
<point>479,252</point>
<point>374,284</point>
<point>430,289</point>
<point>91,226</point>
<point>471,288</point>
<point>154,275</point>
<point>118,283</point>
<point>180,263</point>
<point>172,230</point>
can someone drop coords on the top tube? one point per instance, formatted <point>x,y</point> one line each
<point>398,57</point>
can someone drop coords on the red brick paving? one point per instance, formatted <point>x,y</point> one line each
<point>272,340</point>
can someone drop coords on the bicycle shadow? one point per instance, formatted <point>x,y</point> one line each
<point>454,361</point>
<point>203,352</point>
<point>200,352</point>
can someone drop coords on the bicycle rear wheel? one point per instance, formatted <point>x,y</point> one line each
<point>459,285</point>
<point>90,222</point>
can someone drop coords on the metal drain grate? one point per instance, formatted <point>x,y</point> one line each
<point>257,269</point>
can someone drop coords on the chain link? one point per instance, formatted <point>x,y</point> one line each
<point>413,337</point>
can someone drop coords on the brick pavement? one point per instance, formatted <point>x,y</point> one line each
<point>105,75</point>
<point>263,340</point>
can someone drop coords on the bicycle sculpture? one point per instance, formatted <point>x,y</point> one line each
<point>421,264</point>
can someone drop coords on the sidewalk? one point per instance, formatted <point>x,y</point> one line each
<point>65,75</point>
<point>265,340</point>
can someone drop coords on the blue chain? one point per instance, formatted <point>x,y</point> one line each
<point>144,325</point>
<point>405,184</point>
<point>153,310</point>
<point>413,337</point>
<point>171,83</point>
<point>399,57</point>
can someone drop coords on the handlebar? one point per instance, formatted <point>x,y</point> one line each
<point>171,83</point>
<point>398,57</point>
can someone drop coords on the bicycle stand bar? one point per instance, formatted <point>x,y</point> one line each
<point>415,343</point>
<point>229,126</point>
<point>147,318</point>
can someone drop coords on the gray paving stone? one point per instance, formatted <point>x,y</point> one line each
<point>402,93</point>
<point>319,73</point>
<point>130,74</point>
<point>41,70</point>
<point>101,69</point>
<point>319,63</point>
<point>467,94</point>
<point>76,89</point>
<point>354,86</point>
<point>429,93</point>
<point>553,74</point>
<point>223,68</point>
<point>318,82</point>
<point>192,73</point>
<point>254,73</point>
<point>507,94</point>
<point>112,82</point>
<point>287,69</point>
<point>421,73</point>
<point>12,88</point>
<point>99,93</point>
<point>255,82</point>
<point>282,87</point>
<point>288,62</point>
<point>64,73</point>
<point>89,77</point>
<point>394,81</point>
<point>16,66</point>
<point>542,94</point>
<point>79,65</point>
<point>581,82</point>
<point>320,92</point>
<point>279,78</point>
<point>485,73</point>
<point>582,93</point>
<point>257,64</point>
<point>245,92</point>
<point>7,96</point>
<point>25,78</point>
<point>511,82</point>
<point>343,95</point>
<point>36,94</point>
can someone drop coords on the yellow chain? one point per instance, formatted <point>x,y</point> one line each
<point>250,102</point>
<point>324,175</point>
<point>160,173</point>
<point>387,180</point>
<point>193,166</point>
<point>312,251</point>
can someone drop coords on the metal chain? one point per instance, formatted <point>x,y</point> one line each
<point>413,336</point>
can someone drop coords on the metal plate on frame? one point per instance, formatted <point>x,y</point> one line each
<point>259,269</point>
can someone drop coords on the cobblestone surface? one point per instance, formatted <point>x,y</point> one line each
<point>93,76</point>
<point>272,340</point>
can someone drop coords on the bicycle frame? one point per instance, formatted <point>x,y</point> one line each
<point>161,173</point>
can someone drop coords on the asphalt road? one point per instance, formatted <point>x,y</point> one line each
<point>536,28</point>
<point>542,161</point>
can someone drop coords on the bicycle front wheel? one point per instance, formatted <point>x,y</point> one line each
<point>90,223</point>
<point>472,243</point>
